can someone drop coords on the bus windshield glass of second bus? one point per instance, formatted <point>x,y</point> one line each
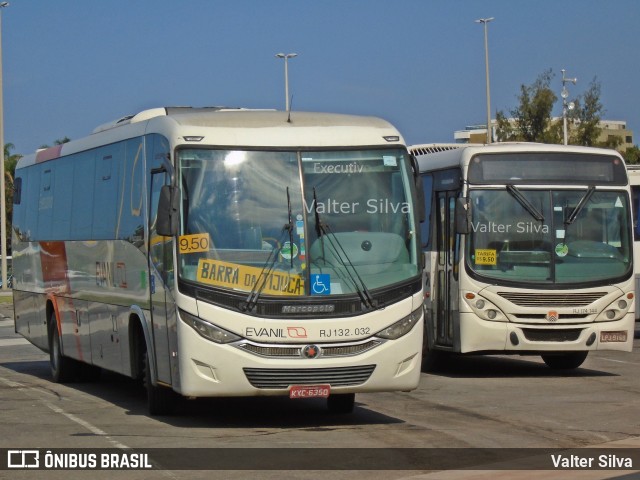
<point>295,223</point>
<point>552,236</point>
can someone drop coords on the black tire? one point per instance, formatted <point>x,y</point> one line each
<point>341,403</point>
<point>63,369</point>
<point>160,400</point>
<point>564,361</point>
<point>432,360</point>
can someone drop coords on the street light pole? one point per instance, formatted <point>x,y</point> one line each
<point>566,106</point>
<point>3,206</point>
<point>485,21</point>
<point>286,75</point>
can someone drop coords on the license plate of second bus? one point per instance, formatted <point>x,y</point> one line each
<point>309,391</point>
<point>620,336</point>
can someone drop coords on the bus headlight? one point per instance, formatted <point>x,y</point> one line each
<point>483,308</point>
<point>402,326</point>
<point>208,330</point>
<point>616,309</point>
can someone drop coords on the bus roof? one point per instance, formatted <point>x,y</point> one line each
<point>440,156</point>
<point>633,171</point>
<point>220,126</point>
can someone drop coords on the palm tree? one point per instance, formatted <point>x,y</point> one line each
<point>10,162</point>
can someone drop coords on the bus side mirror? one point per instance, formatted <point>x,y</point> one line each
<point>463,215</point>
<point>168,206</point>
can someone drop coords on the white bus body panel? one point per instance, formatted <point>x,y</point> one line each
<point>477,334</point>
<point>219,371</point>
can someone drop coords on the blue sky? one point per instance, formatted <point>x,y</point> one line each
<point>71,65</point>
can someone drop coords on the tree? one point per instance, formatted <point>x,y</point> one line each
<point>531,121</point>
<point>532,118</point>
<point>59,141</point>
<point>586,117</point>
<point>10,162</point>
<point>632,155</point>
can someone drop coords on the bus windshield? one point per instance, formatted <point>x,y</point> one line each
<point>549,237</point>
<point>295,223</point>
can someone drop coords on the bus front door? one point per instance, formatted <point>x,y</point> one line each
<point>446,288</point>
<point>161,274</point>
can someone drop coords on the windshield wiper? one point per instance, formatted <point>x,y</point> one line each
<point>324,231</point>
<point>289,226</point>
<point>517,194</point>
<point>267,268</point>
<point>583,201</point>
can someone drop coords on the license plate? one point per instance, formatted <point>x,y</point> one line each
<point>620,336</point>
<point>309,391</point>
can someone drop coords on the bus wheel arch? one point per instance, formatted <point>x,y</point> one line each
<point>137,346</point>
<point>63,369</point>
<point>161,400</point>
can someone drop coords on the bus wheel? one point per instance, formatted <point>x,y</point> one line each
<point>341,402</point>
<point>160,400</point>
<point>63,369</point>
<point>431,359</point>
<point>564,361</point>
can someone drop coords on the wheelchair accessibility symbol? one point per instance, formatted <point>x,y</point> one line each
<point>320,284</point>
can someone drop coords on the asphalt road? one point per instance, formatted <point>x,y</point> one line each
<point>474,409</point>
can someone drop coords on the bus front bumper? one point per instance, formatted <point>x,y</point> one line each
<point>481,335</point>
<point>210,370</point>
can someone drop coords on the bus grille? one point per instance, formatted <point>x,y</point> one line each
<point>552,335</point>
<point>296,351</point>
<point>285,377</point>
<point>552,299</point>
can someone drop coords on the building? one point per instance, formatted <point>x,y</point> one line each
<point>616,128</point>
<point>610,130</point>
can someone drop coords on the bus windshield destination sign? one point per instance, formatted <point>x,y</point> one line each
<point>243,277</point>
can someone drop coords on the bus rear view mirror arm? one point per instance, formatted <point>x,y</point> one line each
<point>463,215</point>
<point>168,205</point>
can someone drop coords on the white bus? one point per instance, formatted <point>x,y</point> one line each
<point>221,252</point>
<point>529,251</point>
<point>634,180</point>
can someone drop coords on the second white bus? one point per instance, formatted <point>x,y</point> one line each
<point>634,181</point>
<point>529,251</point>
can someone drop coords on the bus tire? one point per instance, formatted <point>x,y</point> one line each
<point>564,361</point>
<point>160,400</point>
<point>432,360</point>
<point>63,369</point>
<point>341,403</point>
